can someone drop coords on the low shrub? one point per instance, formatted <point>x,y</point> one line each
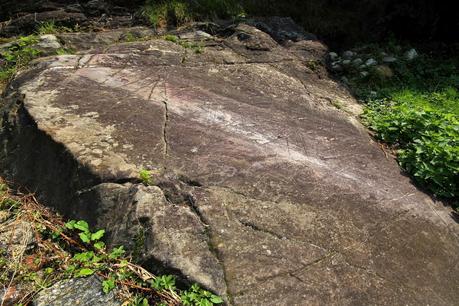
<point>417,113</point>
<point>427,138</point>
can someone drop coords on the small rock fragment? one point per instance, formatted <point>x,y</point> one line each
<point>357,62</point>
<point>333,56</point>
<point>389,59</point>
<point>48,42</point>
<point>346,62</point>
<point>203,34</point>
<point>348,54</point>
<point>337,67</point>
<point>411,54</point>
<point>371,62</point>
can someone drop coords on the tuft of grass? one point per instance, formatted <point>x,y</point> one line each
<point>146,176</point>
<point>196,47</point>
<point>50,27</point>
<point>178,12</point>
<point>164,13</point>
<point>171,38</point>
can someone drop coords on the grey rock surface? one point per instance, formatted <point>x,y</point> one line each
<point>48,43</point>
<point>348,54</point>
<point>389,59</point>
<point>264,191</point>
<point>79,291</point>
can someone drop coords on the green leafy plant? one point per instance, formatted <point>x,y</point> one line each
<point>197,296</point>
<point>172,38</point>
<point>196,47</point>
<point>146,176</point>
<point>427,140</point>
<point>50,27</point>
<point>164,282</point>
<point>18,55</point>
<point>85,234</point>
<point>71,249</point>
<point>416,112</point>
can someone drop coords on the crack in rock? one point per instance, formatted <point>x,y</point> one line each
<point>262,230</point>
<point>166,120</point>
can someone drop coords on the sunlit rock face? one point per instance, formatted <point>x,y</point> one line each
<point>264,191</point>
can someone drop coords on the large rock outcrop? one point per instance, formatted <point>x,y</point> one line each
<point>264,191</point>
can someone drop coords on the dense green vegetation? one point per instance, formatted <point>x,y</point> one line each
<point>18,55</point>
<point>70,250</point>
<point>178,12</point>
<point>417,113</point>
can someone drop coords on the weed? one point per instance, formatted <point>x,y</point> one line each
<point>129,37</point>
<point>160,14</point>
<point>146,176</point>
<point>50,27</point>
<point>196,47</point>
<point>171,38</point>
<point>197,296</point>
<point>314,65</point>
<point>64,51</point>
<point>139,244</point>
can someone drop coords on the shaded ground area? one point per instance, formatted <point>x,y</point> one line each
<point>265,192</point>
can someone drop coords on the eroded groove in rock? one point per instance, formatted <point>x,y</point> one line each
<point>249,150</point>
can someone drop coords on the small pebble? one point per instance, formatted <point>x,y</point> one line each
<point>371,62</point>
<point>337,67</point>
<point>333,55</point>
<point>389,59</point>
<point>411,54</point>
<point>357,62</point>
<point>348,54</point>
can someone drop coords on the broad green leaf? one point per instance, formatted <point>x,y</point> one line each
<point>97,235</point>
<point>85,272</point>
<point>82,226</point>
<point>70,225</point>
<point>85,237</point>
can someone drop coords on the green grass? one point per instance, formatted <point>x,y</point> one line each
<point>417,113</point>
<point>163,13</point>
<point>50,27</point>
<point>178,12</point>
<point>17,56</point>
<point>196,47</point>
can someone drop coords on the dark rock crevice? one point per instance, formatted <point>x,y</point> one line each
<point>165,126</point>
<point>254,227</point>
